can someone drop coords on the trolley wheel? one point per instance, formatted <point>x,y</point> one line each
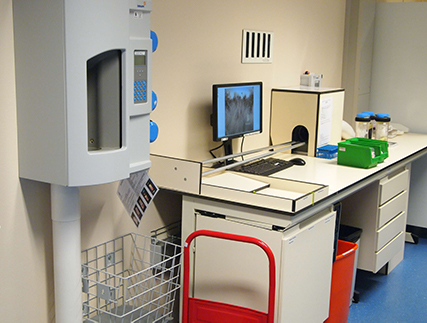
<point>356,297</point>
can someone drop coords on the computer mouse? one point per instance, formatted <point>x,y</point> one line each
<point>298,161</point>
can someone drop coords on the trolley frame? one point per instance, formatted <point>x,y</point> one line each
<point>221,312</point>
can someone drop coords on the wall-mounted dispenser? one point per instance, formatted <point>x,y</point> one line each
<point>83,89</point>
<point>311,115</point>
<point>83,84</point>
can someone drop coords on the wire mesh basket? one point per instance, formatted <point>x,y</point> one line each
<point>133,278</point>
<point>169,233</point>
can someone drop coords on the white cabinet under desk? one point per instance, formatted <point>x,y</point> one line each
<point>234,273</point>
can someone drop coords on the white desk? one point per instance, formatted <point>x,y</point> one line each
<point>303,272</point>
<point>339,178</point>
<point>185,176</point>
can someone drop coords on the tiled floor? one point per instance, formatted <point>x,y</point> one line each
<point>400,296</point>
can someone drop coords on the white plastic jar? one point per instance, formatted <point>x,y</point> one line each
<point>382,121</point>
<point>371,133</point>
<point>363,122</point>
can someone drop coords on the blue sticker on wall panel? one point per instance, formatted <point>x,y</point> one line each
<point>154,40</point>
<point>154,131</point>
<point>153,100</point>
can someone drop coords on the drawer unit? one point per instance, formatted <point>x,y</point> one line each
<point>380,211</point>
<point>391,208</point>
<point>392,248</point>
<point>390,186</point>
<point>390,230</point>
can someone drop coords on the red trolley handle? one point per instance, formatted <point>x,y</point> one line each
<point>234,237</point>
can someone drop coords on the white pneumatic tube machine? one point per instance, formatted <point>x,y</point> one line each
<point>83,89</point>
<point>83,84</point>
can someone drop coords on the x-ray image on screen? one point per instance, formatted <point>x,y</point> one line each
<point>239,113</point>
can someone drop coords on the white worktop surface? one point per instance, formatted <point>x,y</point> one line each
<point>184,176</point>
<point>337,177</point>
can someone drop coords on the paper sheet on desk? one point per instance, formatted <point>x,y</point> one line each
<point>234,181</point>
<point>281,193</point>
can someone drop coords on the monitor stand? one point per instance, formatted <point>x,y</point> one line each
<point>228,151</point>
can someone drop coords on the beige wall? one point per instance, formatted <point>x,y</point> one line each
<point>199,44</point>
<point>358,51</point>
<point>401,0</point>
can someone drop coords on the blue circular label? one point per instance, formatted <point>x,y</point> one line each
<point>154,131</point>
<point>153,100</point>
<point>154,40</point>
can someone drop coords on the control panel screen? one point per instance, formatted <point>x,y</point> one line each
<point>140,86</point>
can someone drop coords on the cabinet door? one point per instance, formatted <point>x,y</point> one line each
<point>234,272</point>
<point>306,270</point>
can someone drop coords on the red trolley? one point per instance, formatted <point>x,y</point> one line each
<point>199,310</point>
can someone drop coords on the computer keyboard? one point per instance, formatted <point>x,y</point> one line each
<point>263,167</point>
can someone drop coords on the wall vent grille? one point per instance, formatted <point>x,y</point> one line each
<point>257,46</point>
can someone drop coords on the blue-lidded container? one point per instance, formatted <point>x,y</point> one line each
<point>382,121</point>
<point>363,122</point>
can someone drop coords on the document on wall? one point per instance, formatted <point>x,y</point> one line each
<point>136,193</point>
<point>325,121</point>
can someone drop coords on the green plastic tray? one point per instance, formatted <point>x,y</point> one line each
<point>362,152</point>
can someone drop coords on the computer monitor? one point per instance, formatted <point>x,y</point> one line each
<point>237,111</point>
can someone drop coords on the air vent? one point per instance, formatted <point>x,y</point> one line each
<point>257,46</point>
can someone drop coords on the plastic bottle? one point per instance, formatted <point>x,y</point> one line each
<point>382,121</point>
<point>363,122</point>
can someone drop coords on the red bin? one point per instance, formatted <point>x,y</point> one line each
<point>342,277</point>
